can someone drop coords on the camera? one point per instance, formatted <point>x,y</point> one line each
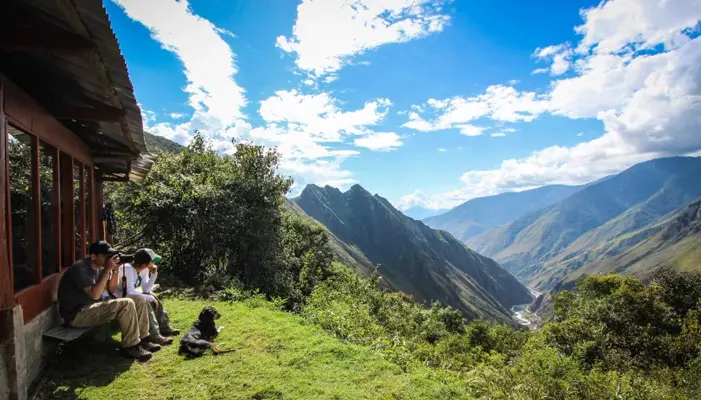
<point>126,258</point>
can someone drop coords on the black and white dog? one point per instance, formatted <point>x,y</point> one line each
<point>199,338</point>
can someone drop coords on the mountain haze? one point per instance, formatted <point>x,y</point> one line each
<point>603,219</point>
<point>413,258</point>
<point>478,215</point>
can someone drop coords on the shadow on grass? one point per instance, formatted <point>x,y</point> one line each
<point>80,364</point>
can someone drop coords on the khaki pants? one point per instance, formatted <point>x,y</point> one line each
<point>158,319</point>
<point>131,313</point>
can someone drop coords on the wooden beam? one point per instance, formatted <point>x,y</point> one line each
<point>98,113</point>
<point>6,284</point>
<point>44,38</point>
<point>24,27</point>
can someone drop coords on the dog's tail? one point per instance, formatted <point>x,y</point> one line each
<point>216,350</point>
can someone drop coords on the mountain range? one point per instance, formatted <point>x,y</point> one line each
<point>413,258</point>
<point>478,215</point>
<point>599,221</point>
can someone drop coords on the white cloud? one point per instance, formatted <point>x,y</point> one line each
<point>327,33</point>
<point>540,71</point>
<point>380,141</point>
<point>640,24</point>
<point>208,60</point>
<point>649,102</point>
<point>177,115</point>
<point>560,57</point>
<point>294,123</point>
<point>471,130</point>
<point>442,150</point>
<point>416,199</point>
<point>498,134</point>
<point>580,134</point>
<point>498,103</point>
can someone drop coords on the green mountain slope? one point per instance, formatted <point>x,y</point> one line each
<point>343,252</point>
<point>601,220</point>
<point>415,259</point>
<point>155,143</point>
<point>478,215</point>
<point>674,243</point>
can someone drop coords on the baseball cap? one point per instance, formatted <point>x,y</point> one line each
<point>143,256</point>
<point>102,247</point>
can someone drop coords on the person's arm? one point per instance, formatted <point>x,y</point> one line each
<point>114,281</point>
<point>95,291</point>
<point>147,282</point>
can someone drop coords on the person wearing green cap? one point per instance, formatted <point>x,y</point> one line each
<point>143,274</point>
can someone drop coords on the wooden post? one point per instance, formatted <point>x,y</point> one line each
<point>6,285</point>
<point>83,219</point>
<point>36,246</point>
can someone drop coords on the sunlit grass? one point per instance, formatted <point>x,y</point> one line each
<point>278,356</point>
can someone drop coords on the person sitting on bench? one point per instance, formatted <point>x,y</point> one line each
<point>143,273</point>
<point>79,292</point>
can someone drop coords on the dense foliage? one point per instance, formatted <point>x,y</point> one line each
<point>219,221</point>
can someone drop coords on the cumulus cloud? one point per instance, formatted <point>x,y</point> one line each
<point>416,199</point>
<point>213,93</point>
<point>498,103</point>
<point>560,57</point>
<point>380,141</point>
<point>328,33</point>
<point>637,68</point>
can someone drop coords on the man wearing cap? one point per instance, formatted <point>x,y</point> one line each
<point>79,294</point>
<point>143,273</point>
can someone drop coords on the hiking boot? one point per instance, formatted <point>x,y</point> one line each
<point>136,352</point>
<point>148,346</point>
<point>170,331</point>
<point>161,340</point>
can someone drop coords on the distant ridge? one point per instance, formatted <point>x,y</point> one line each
<point>604,219</point>
<point>475,216</point>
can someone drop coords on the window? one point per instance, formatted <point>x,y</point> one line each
<point>87,175</point>
<point>78,197</point>
<point>21,168</point>
<point>48,177</point>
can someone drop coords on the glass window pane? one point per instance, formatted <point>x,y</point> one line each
<point>49,230</point>
<point>88,211</point>
<point>21,208</point>
<point>77,183</point>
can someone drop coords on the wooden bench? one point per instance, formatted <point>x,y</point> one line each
<point>66,334</point>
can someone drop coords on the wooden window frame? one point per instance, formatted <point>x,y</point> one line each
<point>23,112</point>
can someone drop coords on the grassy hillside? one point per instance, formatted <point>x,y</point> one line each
<point>415,259</point>
<point>613,213</point>
<point>478,215</point>
<point>278,356</point>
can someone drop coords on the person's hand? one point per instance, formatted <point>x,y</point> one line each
<point>155,303</point>
<point>153,268</point>
<point>112,263</point>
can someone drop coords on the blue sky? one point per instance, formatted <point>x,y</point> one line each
<point>426,102</point>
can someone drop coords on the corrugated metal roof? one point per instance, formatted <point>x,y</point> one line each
<point>99,77</point>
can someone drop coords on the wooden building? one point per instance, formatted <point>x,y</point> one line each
<point>68,122</point>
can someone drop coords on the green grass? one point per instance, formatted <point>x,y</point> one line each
<point>278,356</point>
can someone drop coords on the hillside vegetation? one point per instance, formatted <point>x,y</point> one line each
<point>304,326</point>
<point>413,258</point>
